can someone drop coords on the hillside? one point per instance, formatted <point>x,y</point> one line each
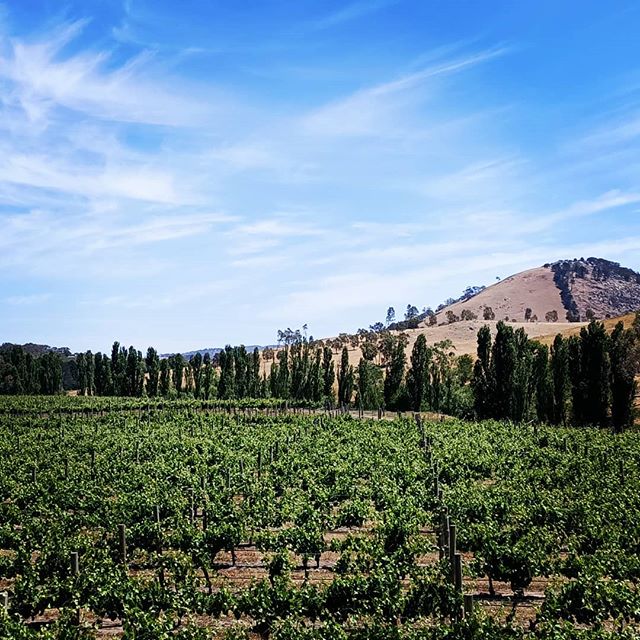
<point>575,290</point>
<point>569,290</point>
<point>534,289</point>
<point>37,349</point>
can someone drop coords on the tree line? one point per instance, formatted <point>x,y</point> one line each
<point>586,379</point>
<point>23,373</point>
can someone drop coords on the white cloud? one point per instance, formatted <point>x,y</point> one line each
<point>43,77</point>
<point>376,110</point>
<point>32,299</point>
<point>351,12</point>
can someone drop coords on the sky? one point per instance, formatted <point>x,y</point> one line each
<point>190,174</point>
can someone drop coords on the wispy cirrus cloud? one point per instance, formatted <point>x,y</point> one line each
<point>43,76</point>
<point>376,110</point>
<point>30,299</point>
<point>196,182</point>
<point>352,11</point>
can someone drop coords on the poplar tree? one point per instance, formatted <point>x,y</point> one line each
<point>195,364</point>
<point>82,373</point>
<point>543,384</point>
<point>503,364</point>
<point>418,375</point>
<point>240,366</point>
<point>284,374</point>
<point>226,383</point>
<point>560,377</point>
<point>523,379</point>
<point>345,379</point>
<point>254,388</point>
<point>483,382</point>
<point>369,385</point>
<point>595,371</point>
<point>622,353</point>
<point>165,378</point>
<point>178,372</point>
<point>207,376</point>
<point>328,372</point>
<point>395,375</point>
<point>152,362</point>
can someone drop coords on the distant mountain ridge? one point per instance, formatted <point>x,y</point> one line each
<point>37,349</point>
<point>212,351</point>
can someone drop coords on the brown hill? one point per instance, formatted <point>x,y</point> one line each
<point>509,299</point>
<point>570,290</point>
<point>573,290</point>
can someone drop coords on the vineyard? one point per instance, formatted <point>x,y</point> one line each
<point>186,519</point>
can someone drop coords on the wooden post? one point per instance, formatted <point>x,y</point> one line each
<point>157,515</point>
<point>468,604</point>
<point>192,507</point>
<point>122,546</point>
<point>452,542</point>
<point>457,564</point>
<point>74,561</point>
<point>445,531</point>
<point>4,600</point>
<point>34,474</point>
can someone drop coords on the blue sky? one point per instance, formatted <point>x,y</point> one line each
<point>196,173</point>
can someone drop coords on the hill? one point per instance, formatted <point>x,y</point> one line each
<point>213,351</point>
<point>37,349</point>
<point>564,291</point>
<point>557,297</point>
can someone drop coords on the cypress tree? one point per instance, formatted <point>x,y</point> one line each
<point>395,375</point>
